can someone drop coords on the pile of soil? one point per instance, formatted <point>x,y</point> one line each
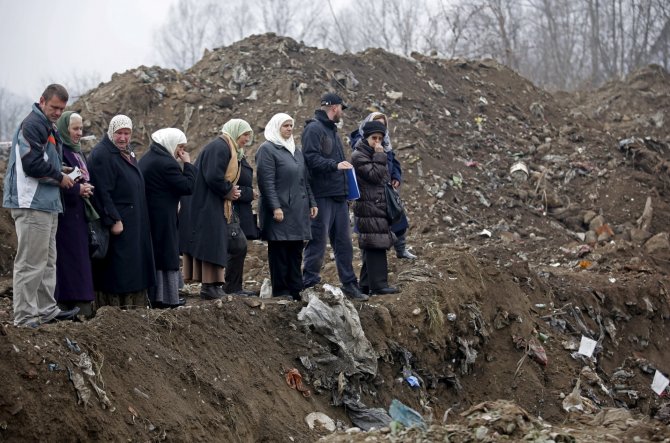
<point>527,217</point>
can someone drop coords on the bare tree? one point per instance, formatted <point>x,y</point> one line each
<point>12,110</point>
<point>187,32</point>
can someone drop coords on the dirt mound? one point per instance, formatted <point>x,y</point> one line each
<point>636,106</point>
<point>532,223</point>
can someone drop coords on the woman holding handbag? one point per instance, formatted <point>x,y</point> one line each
<point>210,238</point>
<point>74,278</point>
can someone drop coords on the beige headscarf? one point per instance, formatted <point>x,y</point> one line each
<point>169,138</point>
<point>272,132</point>
<point>119,122</point>
<point>230,132</point>
<point>234,128</point>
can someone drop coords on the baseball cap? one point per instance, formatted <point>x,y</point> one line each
<point>331,98</point>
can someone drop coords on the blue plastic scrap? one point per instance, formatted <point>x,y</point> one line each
<point>405,415</point>
<point>413,381</point>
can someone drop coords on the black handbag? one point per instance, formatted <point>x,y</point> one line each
<point>394,206</point>
<point>237,241</point>
<point>98,239</point>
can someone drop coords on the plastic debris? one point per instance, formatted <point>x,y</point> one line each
<point>294,380</point>
<point>537,352</point>
<point>319,418</point>
<point>413,381</point>
<point>266,289</point>
<point>660,383</point>
<point>83,393</point>
<point>74,347</point>
<point>336,318</point>
<point>405,415</point>
<point>587,346</point>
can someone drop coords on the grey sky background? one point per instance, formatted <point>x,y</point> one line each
<point>43,41</point>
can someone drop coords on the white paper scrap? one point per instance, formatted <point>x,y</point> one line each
<point>587,346</point>
<point>660,382</point>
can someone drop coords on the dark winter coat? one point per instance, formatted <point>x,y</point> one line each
<point>323,150</point>
<point>283,183</point>
<point>370,209</point>
<point>165,184</point>
<point>74,276</point>
<point>242,205</point>
<point>394,170</point>
<point>119,195</point>
<point>203,229</point>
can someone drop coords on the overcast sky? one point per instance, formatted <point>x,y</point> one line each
<point>47,40</point>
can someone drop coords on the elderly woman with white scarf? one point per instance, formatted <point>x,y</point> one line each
<point>127,271</point>
<point>168,175</point>
<point>286,205</point>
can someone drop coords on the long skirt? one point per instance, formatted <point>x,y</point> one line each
<point>202,271</point>
<point>127,300</point>
<point>167,286</point>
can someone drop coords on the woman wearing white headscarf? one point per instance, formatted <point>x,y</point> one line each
<point>286,205</point>
<point>168,175</point>
<point>127,271</point>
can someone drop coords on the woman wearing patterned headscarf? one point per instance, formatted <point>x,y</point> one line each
<point>74,278</point>
<point>168,175</point>
<point>210,237</point>
<point>286,205</point>
<point>127,271</point>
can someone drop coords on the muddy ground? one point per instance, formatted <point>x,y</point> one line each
<point>504,260</point>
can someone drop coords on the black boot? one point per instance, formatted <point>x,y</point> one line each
<point>401,248</point>
<point>211,291</point>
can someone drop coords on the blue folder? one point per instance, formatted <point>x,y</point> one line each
<point>353,192</point>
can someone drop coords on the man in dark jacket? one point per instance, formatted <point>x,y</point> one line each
<point>31,191</point>
<point>324,156</point>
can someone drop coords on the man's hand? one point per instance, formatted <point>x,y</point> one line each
<point>344,165</point>
<point>278,215</point>
<point>313,212</point>
<point>395,183</point>
<point>66,182</point>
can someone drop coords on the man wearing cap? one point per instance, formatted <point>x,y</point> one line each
<point>324,156</point>
<point>31,191</point>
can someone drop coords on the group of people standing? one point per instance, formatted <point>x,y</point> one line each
<point>162,207</point>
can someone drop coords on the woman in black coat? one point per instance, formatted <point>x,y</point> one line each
<point>242,205</point>
<point>168,175</point>
<point>243,211</point>
<point>375,236</point>
<point>286,205</point>
<point>207,216</point>
<point>127,271</point>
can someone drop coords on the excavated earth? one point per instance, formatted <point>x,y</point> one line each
<point>513,259</point>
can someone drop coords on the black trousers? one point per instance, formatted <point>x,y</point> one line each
<point>237,253</point>
<point>285,258</point>
<point>374,272</point>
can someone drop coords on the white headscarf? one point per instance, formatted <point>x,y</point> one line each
<point>119,122</point>
<point>169,138</point>
<point>273,135</point>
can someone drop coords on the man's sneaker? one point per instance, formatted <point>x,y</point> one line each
<point>352,291</point>
<point>405,254</point>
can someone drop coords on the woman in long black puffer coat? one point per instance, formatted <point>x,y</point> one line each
<point>375,236</point>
